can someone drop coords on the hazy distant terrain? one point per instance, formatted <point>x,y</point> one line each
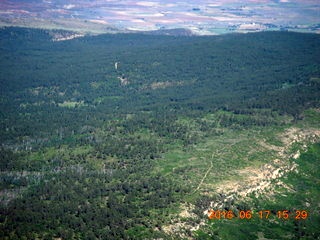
<point>202,17</point>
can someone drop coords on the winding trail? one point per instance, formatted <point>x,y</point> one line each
<point>209,169</point>
<point>211,166</point>
<point>204,177</point>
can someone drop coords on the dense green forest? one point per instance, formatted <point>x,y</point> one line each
<point>109,136</point>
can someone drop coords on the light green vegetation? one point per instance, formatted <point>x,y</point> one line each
<point>287,85</point>
<point>96,85</point>
<point>72,104</point>
<point>63,156</point>
<point>312,117</point>
<point>228,152</point>
<point>173,161</point>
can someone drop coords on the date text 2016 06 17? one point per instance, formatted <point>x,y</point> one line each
<point>262,214</point>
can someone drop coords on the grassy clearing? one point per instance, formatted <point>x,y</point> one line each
<point>62,156</point>
<point>228,153</point>
<point>72,104</point>
<point>235,158</point>
<point>171,161</point>
<point>240,161</point>
<point>312,117</point>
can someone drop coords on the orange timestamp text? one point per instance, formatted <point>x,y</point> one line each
<point>262,214</point>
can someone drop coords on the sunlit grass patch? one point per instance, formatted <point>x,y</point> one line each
<point>72,104</point>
